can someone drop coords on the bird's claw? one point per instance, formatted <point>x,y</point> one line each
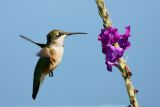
<point>51,74</point>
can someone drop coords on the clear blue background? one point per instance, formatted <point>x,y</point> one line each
<point>82,78</point>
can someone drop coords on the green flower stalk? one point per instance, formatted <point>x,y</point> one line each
<point>113,46</point>
<point>104,14</point>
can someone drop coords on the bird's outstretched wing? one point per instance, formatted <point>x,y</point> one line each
<point>28,39</point>
<point>42,67</point>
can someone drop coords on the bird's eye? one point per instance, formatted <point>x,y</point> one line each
<point>60,33</point>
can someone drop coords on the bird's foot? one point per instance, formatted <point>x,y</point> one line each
<point>51,74</point>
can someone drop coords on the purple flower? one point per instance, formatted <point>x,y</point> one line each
<point>114,44</point>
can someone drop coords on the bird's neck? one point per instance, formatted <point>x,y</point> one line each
<point>58,42</point>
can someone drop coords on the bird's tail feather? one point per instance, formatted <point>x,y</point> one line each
<point>36,84</point>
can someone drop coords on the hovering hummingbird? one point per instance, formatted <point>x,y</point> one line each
<point>50,56</point>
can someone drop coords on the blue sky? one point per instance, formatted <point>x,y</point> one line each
<point>81,78</point>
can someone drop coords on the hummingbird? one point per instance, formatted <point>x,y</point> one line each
<point>50,56</point>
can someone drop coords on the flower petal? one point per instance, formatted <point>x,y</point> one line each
<point>109,66</point>
<point>109,37</point>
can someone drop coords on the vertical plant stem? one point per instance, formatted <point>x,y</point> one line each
<point>126,73</point>
<point>131,92</point>
<point>104,14</point>
<point>122,65</point>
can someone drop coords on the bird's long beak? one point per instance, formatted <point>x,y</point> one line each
<point>74,33</point>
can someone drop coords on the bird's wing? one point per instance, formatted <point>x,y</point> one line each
<point>42,67</point>
<point>44,52</point>
<point>28,39</point>
<point>47,53</point>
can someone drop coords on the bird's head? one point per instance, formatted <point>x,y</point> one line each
<point>58,36</point>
